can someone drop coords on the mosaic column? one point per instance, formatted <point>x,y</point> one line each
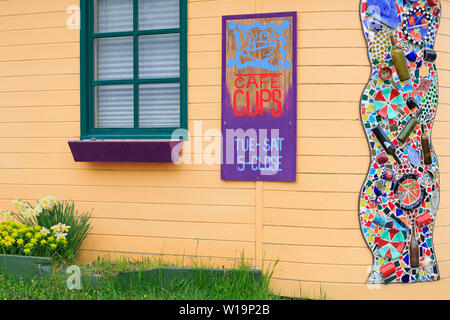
<point>400,195</point>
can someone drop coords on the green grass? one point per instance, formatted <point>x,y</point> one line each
<point>236,286</point>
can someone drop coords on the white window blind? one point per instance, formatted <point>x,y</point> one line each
<point>159,14</point>
<point>114,58</point>
<point>159,58</point>
<point>159,105</point>
<point>114,106</point>
<point>114,15</point>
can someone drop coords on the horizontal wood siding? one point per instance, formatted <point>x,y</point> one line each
<point>185,212</point>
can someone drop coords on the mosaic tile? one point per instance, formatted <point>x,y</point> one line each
<point>400,197</point>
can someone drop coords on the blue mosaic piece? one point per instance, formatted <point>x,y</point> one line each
<point>384,11</point>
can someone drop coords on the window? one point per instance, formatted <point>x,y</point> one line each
<point>133,68</point>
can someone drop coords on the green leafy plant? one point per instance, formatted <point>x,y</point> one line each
<point>59,216</point>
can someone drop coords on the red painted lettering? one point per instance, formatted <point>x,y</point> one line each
<point>236,112</point>
<point>278,102</point>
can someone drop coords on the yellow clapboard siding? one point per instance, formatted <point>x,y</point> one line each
<point>40,83</point>
<point>331,256</point>
<point>308,6</point>
<point>330,92</point>
<point>193,179</point>
<point>41,51</point>
<point>321,183</point>
<point>348,219</point>
<point>39,130</point>
<point>331,237</point>
<point>65,161</point>
<point>333,56</point>
<point>206,25</point>
<point>220,7</point>
<point>202,77</point>
<point>330,128</point>
<point>320,110</point>
<point>191,247</point>
<point>334,74</point>
<point>39,36</point>
<point>314,236</point>
<point>343,291</point>
<point>39,67</point>
<point>40,98</point>
<point>332,164</point>
<point>327,273</point>
<point>42,20</point>
<point>321,272</point>
<point>40,114</point>
<point>180,195</point>
<point>443,44</point>
<point>18,8</point>
<point>204,60</point>
<point>332,183</point>
<point>173,229</point>
<point>321,200</point>
<point>333,147</point>
<point>204,111</point>
<point>312,254</point>
<point>324,20</point>
<point>307,21</point>
<point>35,145</point>
<point>161,212</point>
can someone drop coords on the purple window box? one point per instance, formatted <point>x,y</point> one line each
<point>126,151</point>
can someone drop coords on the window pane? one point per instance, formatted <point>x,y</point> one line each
<point>159,14</point>
<point>114,58</point>
<point>115,107</point>
<point>114,15</point>
<point>159,56</point>
<point>159,105</point>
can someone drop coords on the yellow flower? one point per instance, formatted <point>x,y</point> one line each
<point>60,236</point>
<point>51,238</point>
<point>44,231</point>
<point>19,241</point>
<point>38,235</point>
<point>43,241</point>
<point>29,234</point>
<point>34,240</point>
<point>53,245</point>
<point>5,233</point>
<point>26,251</point>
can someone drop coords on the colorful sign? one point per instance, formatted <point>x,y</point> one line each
<point>259,97</point>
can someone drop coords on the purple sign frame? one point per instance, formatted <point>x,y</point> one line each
<point>259,97</point>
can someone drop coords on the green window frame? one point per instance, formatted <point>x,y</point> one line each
<point>88,83</point>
